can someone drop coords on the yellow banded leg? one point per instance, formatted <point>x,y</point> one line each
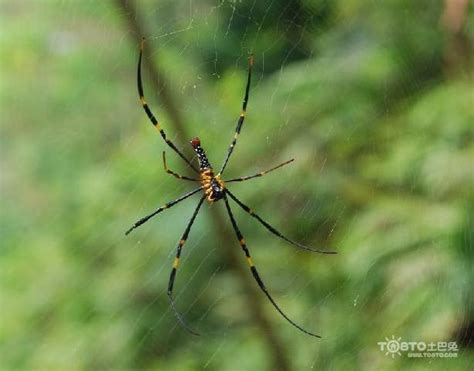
<point>181,243</point>
<point>272,229</point>
<point>255,274</point>
<point>262,173</point>
<point>241,116</point>
<point>160,209</point>
<point>176,175</point>
<point>150,114</point>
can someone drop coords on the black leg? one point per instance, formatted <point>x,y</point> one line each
<point>262,173</point>
<point>176,175</point>
<point>150,114</point>
<point>181,243</point>
<point>241,117</point>
<point>254,270</point>
<point>273,230</point>
<point>160,209</point>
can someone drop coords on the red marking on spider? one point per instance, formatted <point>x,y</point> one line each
<point>195,142</point>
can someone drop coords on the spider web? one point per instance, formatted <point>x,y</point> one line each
<point>356,94</point>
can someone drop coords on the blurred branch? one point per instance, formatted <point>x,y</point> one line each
<point>458,47</point>
<point>230,250</point>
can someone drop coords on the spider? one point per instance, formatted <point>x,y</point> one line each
<point>214,189</point>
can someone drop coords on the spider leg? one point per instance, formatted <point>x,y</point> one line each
<point>262,173</point>
<point>181,243</point>
<point>272,229</point>
<point>254,270</point>
<point>150,114</point>
<point>160,209</point>
<point>176,175</point>
<point>241,117</point>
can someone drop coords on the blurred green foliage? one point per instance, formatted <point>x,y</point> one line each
<point>373,99</point>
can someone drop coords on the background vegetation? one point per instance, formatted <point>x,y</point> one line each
<point>373,99</point>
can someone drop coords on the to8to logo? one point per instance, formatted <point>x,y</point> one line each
<point>418,349</point>
<point>391,346</point>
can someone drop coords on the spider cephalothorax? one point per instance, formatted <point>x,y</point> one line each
<point>212,185</point>
<point>214,190</point>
